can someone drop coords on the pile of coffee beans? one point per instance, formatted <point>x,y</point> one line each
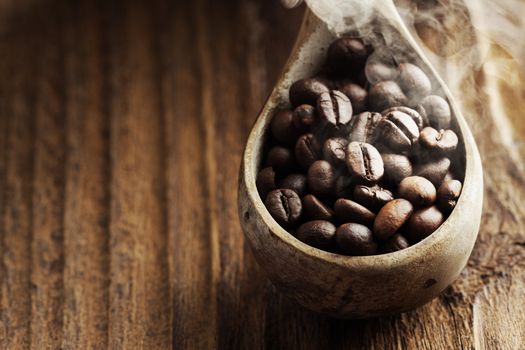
<point>363,161</point>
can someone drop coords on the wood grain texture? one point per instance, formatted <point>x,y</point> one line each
<point>121,130</point>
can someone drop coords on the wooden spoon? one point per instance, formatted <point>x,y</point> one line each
<point>360,286</point>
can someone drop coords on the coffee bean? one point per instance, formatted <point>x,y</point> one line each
<point>397,167</point>
<point>442,141</point>
<point>363,127</point>
<point>321,178</point>
<point>334,150</point>
<point>307,150</point>
<point>344,186</point>
<point>315,209</point>
<point>317,233</point>
<point>347,55</point>
<point>283,129</point>
<point>399,131</point>
<point>334,108</point>
<point>414,82</point>
<point>285,206</point>
<point>418,190</point>
<point>356,94</point>
<point>437,111</point>
<point>364,162</point>
<point>416,117</point>
<point>448,194</point>
<point>423,222</point>
<point>307,91</point>
<point>265,181</point>
<point>347,210</point>
<point>435,170</point>
<point>384,95</point>
<point>304,117</point>
<point>374,197</point>
<point>295,182</point>
<point>378,72</point>
<point>393,244</point>
<point>391,217</point>
<point>355,239</point>
<point>280,158</point>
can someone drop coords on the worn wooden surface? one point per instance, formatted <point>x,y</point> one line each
<point>121,131</point>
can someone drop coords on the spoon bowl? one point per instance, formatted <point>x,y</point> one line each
<point>357,286</point>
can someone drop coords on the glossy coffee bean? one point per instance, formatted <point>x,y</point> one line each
<point>442,141</point>
<point>398,131</point>
<point>418,190</point>
<point>393,244</point>
<point>347,210</point>
<point>416,117</point>
<point>364,162</point>
<point>380,66</point>
<point>355,239</point>
<point>317,233</point>
<point>280,158</point>
<point>391,217</point>
<point>315,209</point>
<point>437,110</point>
<point>334,150</point>
<point>304,117</point>
<point>448,194</point>
<point>356,94</point>
<point>283,129</point>
<point>423,222</point>
<point>363,127</point>
<point>321,178</point>
<point>372,197</point>
<point>334,108</point>
<point>434,170</point>
<point>397,167</point>
<point>347,55</point>
<point>307,150</point>
<point>307,91</point>
<point>285,206</point>
<point>295,182</point>
<point>414,82</point>
<point>265,181</point>
<point>384,95</point>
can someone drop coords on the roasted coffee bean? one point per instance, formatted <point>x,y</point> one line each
<point>442,141</point>
<point>283,129</point>
<point>265,181</point>
<point>374,197</point>
<point>393,244</point>
<point>380,66</point>
<point>334,150</point>
<point>364,162</point>
<point>435,170</point>
<point>384,95</point>
<point>414,82</point>
<point>285,206</point>
<point>307,150</point>
<point>397,167</point>
<point>418,190</point>
<point>423,222</point>
<point>317,233</point>
<point>416,117</point>
<point>304,117</point>
<point>321,178</point>
<point>363,127</point>
<point>295,182</point>
<point>391,217</point>
<point>334,108</point>
<point>307,91</point>
<point>448,194</point>
<point>437,111</point>
<point>399,131</point>
<point>355,239</point>
<point>347,210</point>
<point>280,158</point>
<point>347,55</point>
<point>343,186</point>
<point>315,209</point>
<point>356,94</point>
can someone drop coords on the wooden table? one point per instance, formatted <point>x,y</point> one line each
<point>122,125</point>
